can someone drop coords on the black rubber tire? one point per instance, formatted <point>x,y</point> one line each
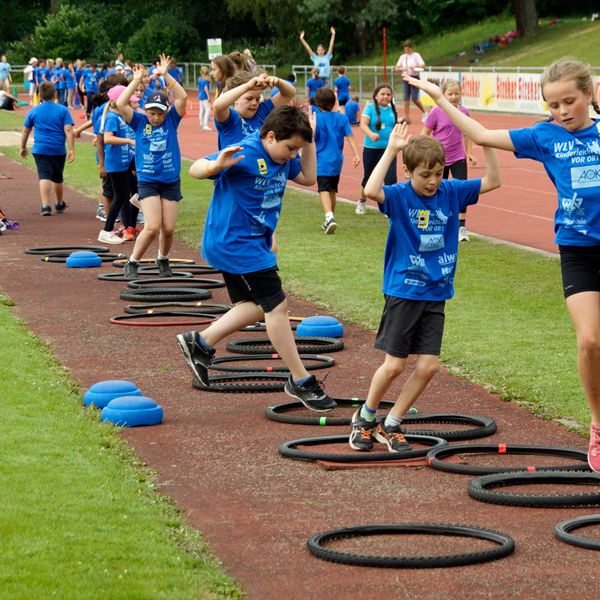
<point>484,425</point>
<point>307,345</point>
<point>506,545</point>
<point>290,450</point>
<point>67,249</point>
<point>240,383</point>
<point>322,362</point>
<point>119,276</point>
<point>165,295</point>
<point>135,320</point>
<point>195,282</point>
<point>280,412</point>
<point>177,262</point>
<point>203,307</point>
<point>61,257</point>
<point>190,268</point>
<point>260,326</point>
<point>435,458</point>
<point>479,489</point>
<point>563,530</point>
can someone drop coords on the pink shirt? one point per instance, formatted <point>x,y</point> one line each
<point>408,62</point>
<point>447,133</point>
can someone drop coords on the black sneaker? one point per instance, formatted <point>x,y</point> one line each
<point>130,270</point>
<point>310,393</point>
<point>392,437</point>
<point>196,355</point>
<point>164,268</point>
<point>361,437</point>
<point>59,208</point>
<point>46,210</point>
<point>329,225</point>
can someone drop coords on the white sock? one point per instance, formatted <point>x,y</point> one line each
<point>329,215</point>
<point>161,257</point>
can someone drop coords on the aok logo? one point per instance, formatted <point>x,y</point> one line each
<point>585,177</point>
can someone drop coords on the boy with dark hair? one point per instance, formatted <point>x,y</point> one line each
<point>238,111</point>
<point>250,181</point>
<point>342,88</point>
<point>53,125</point>
<point>419,267</point>
<point>332,128</point>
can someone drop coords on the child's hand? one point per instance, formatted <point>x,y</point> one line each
<point>164,64</point>
<point>70,156</point>
<point>374,137</point>
<point>76,133</point>
<point>138,72</point>
<point>429,88</point>
<point>259,82</point>
<point>472,160</point>
<point>355,160</point>
<point>226,158</point>
<point>332,30</point>
<point>302,35</point>
<point>24,152</point>
<point>272,81</point>
<point>399,137</point>
<point>312,118</point>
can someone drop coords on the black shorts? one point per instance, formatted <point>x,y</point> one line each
<point>167,191</point>
<point>328,183</point>
<point>371,156</point>
<point>261,287</point>
<point>580,267</point>
<point>50,166</point>
<point>107,187</point>
<point>411,327</point>
<point>343,101</point>
<point>458,169</point>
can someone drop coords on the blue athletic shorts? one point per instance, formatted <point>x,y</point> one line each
<point>167,191</point>
<point>50,166</point>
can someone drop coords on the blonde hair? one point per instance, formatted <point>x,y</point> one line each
<point>450,83</point>
<point>569,67</point>
<point>204,71</point>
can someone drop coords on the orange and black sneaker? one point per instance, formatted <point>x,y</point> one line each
<point>392,437</point>
<point>361,436</point>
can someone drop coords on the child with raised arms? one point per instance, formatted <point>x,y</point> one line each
<point>250,180</point>
<point>240,110</point>
<point>332,129</point>
<point>569,149</point>
<point>456,146</point>
<point>418,277</point>
<point>157,164</point>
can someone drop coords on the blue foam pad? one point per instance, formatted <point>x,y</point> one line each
<point>83,259</point>
<point>320,326</point>
<point>133,411</point>
<point>101,393</point>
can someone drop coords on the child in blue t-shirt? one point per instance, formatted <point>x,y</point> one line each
<point>332,128</point>
<point>313,84</point>
<point>53,125</point>
<point>240,109</point>
<point>352,107</point>
<point>204,98</point>
<point>90,83</point>
<point>250,180</point>
<point>157,164</point>
<point>418,276</point>
<point>342,88</point>
<point>569,148</point>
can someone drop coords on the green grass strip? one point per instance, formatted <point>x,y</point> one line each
<point>80,514</point>
<point>507,327</point>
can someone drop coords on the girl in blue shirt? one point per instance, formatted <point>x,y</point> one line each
<point>158,164</point>
<point>569,149</point>
<point>377,121</point>
<point>313,84</point>
<point>204,98</point>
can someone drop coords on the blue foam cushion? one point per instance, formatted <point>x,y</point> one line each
<point>133,411</point>
<point>320,326</point>
<point>101,393</point>
<point>83,259</point>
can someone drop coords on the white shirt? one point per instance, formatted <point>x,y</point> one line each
<point>408,62</point>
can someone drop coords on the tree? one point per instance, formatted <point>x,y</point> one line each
<point>525,17</point>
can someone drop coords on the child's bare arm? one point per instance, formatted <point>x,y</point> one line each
<point>364,125</point>
<point>227,99</point>
<point>426,131</point>
<point>308,160</point>
<point>179,94</point>
<point>24,137</point>
<point>398,140</point>
<point>286,91</point>
<point>305,44</point>
<point>204,168</point>
<point>331,40</point>
<point>70,143</point>
<point>491,180</point>
<point>123,100</point>
<point>354,146</point>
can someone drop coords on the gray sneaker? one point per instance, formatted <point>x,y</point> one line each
<point>361,436</point>
<point>197,356</point>
<point>329,225</point>
<point>310,393</point>
<point>130,270</point>
<point>164,268</point>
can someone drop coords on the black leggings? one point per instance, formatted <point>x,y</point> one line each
<point>124,184</point>
<point>371,157</point>
<point>458,170</point>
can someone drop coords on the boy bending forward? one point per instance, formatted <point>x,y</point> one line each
<point>250,180</point>
<point>419,267</point>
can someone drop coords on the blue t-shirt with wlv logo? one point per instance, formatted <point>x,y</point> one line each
<point>48,121</point>
<point>422,245</point>
<point>332,128</point>
<point>572,161</point>
<point>117,157</point>
<point>235,127</point>
<point>245,208</point>
<point>157,154</point>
